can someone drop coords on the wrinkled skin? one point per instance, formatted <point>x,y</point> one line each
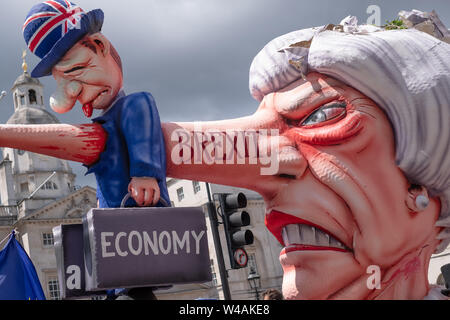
<point>87,77</point>
<point>349,186</point>
<point>336,172</point>
<point>89,74</point>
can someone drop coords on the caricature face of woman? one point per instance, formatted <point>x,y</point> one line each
<point>345,209</point>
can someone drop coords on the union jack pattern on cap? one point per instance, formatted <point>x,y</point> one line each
<point>47,22</point>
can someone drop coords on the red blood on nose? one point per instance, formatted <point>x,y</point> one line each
<point>88,109</point>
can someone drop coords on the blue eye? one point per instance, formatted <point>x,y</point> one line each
<point>325,113</point>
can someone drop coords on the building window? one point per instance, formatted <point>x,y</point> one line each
<point>53,289</point>
<point>213,274</point>
<point>22,100</point>
<point>180,194</point>
<point>49,185</point>
<point>24,187</point>
<point>196,186</point>
<point>42,100</point>
<point>47,239</point>
<point>15,100</point>
<point>32,96</point>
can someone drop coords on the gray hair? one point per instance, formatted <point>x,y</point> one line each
<point>406,72</point>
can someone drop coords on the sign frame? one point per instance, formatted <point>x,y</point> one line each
<point>118,251</point>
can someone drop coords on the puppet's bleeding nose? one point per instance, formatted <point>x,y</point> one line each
<point>88,109</point>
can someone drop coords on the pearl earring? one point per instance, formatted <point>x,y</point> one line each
<point>417,199</point>
<point>422,202</point>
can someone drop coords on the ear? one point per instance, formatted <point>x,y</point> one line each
<point>102,44</point>
<point>417,198</point>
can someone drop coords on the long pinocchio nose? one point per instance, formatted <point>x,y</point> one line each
<point>237,152</point>
<point>79,143</point>
<point>224,152</point>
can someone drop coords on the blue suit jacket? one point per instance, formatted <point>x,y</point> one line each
<point>134,148</point>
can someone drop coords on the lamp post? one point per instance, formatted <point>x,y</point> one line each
<point>255,281</point>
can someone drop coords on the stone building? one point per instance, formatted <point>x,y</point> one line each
<point>38,192</point>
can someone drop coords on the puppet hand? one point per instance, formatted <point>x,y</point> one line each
<point>145,191</point>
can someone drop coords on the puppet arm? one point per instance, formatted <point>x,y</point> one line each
<point>141,127</point>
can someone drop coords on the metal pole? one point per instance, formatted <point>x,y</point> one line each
<point>40,186</point>
<point>34,192</point>
<point>215,232</point>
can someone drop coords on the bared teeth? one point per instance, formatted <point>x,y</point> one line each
<point>294,233</point>
<point>322,238</point>
<point>335,243</point>
<point>284,236</point>
<point>308,235</point>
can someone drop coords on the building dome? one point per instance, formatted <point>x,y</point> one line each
<point>30,115</point>
<point>26,79</point>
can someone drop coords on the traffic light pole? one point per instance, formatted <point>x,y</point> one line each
<point>233,220</point>
<point>215,232</point>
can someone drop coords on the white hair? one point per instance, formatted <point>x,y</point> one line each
<point>406,72</point>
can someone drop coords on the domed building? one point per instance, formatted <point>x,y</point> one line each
<point>38,192</point>
<point>30,169</point>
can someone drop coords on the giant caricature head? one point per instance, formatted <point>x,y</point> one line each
<point>368,131</point>
<point>83,62</point>
<point>90,72</point>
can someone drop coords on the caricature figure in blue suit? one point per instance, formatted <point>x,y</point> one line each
<point>88,69</point>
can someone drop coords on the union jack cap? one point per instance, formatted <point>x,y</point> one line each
<point>53,27</point>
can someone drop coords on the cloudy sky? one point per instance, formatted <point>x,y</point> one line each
<point>192,55</point>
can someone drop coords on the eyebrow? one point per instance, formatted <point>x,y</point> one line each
<point>88,44</point>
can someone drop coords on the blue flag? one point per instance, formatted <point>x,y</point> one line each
<point>18,277</point>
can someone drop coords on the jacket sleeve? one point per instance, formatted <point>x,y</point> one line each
<point>141,128</point>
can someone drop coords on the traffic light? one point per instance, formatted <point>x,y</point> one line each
<point>233,220</point>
